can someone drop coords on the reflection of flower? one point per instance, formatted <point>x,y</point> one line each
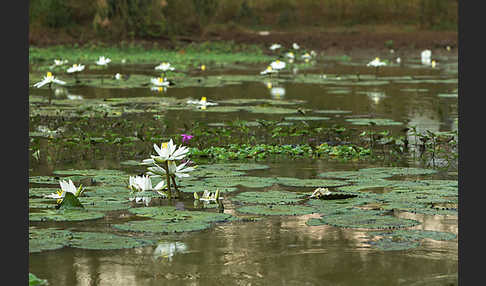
<point>158,88</point>
<point>186,137</point>
<point>203,102</point>
<point>275,46</point>
<point>209,197</point>
<point>75,68</point>
<point>102,61</point>
<point>425,57</point>
<point>144,200</point>
<point>168,250</point>
<point>375,96</point>
<point>290,55</point>
<point>376,63</point>
<point>306,57</point>
<point>159,81</point>
<point>165,67</point>
<point>277,92</point>
<point>66,186</point>
<point>48,79</point>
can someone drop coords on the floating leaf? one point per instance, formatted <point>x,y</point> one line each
<point>65,215</point>
<point>269,197</point>
<point>276,209</point>
<point>104,241</point>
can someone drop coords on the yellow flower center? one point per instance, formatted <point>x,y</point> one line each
<point>269,85</point>
<point>377,59</point>
<point>160,79</point>
<point>160,89</point>
<point>277,61</point>
<point>75,65</point>
<point>164,145</point>
<point>203,99</point>
<point>269,68</point>
<point>203,67</point>
<point>49,74</point>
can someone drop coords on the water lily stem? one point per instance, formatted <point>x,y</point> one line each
<point>167,176</point>
<point>175,186</point>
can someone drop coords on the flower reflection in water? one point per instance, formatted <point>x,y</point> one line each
<point>166,250</point>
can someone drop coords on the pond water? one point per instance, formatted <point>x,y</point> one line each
<point>269,249</point>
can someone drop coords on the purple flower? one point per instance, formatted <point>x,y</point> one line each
<point>186,137</point>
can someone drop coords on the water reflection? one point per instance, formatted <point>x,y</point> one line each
<point>166,250</point>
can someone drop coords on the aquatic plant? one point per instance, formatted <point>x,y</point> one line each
<point>164,165</point>
<point>69,190</point>
<point>49,79</point>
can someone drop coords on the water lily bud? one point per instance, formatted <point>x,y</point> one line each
<point>196,196</point>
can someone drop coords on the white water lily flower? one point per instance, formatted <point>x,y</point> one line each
<point>295,46</point>
<point>167,151</point>
<point>118,76</point>
<point>425,57</point>
<point>59,62</point>
<point>202,102</point>
<point>290,55</point>
<point>143,183</point>
<point>49,78</point>
<point>320,192</point>
<point>313,53</point>
<point>159,81</point>
<point>75,68</point>
<point>210,197</point>
<point>275,46</point>
<point>174,170</point>
<point>102,61</point>
<point>268,70</point>
<point>165,67</point>
<point>376,63</point>
<point>66,186</point>
<point>277,65</point>
<point>277,92</point>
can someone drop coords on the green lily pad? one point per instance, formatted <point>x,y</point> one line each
<point>296,182</point>
<point>42,203</point>
<point>305,118</point>
<point>329,111</point>
<point>90,172</point>
<point>269,109</point>
<point>104,241</point>
<point>199,188</point>
<point>354,175</point>
<point>44,180</point>
<point>246,181</point>
<point>448,95</point>
<point>406,239</point>
<point>41,192</point>
<point>104,204</point>
<point>269,197</point>
<point>70,201</point>
<point>376,121</point>
<point>35,281</point>
<point>402,171</point>
<point>65,215</point>
<point>276,209</point>
<point>161,226</point>
<point>171,214</point>
<point>369,219</point>
<point>121,191</point>
<point>41,239</point>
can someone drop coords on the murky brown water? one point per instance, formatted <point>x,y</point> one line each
<point>274,250</point>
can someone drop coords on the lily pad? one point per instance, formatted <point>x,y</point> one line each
<point>305,118</point>
<point>161,226</point>
<point>246,181</point>
<point>104,241</point>
<point>65,215</point>
<point>269,197</point>
<point>368,219</point>
<point>296,182</point>
<point>406,239</point>
<point>276,209</point>
<point>41,192</point>
<point>41,239</point>
<point>375,121</point>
